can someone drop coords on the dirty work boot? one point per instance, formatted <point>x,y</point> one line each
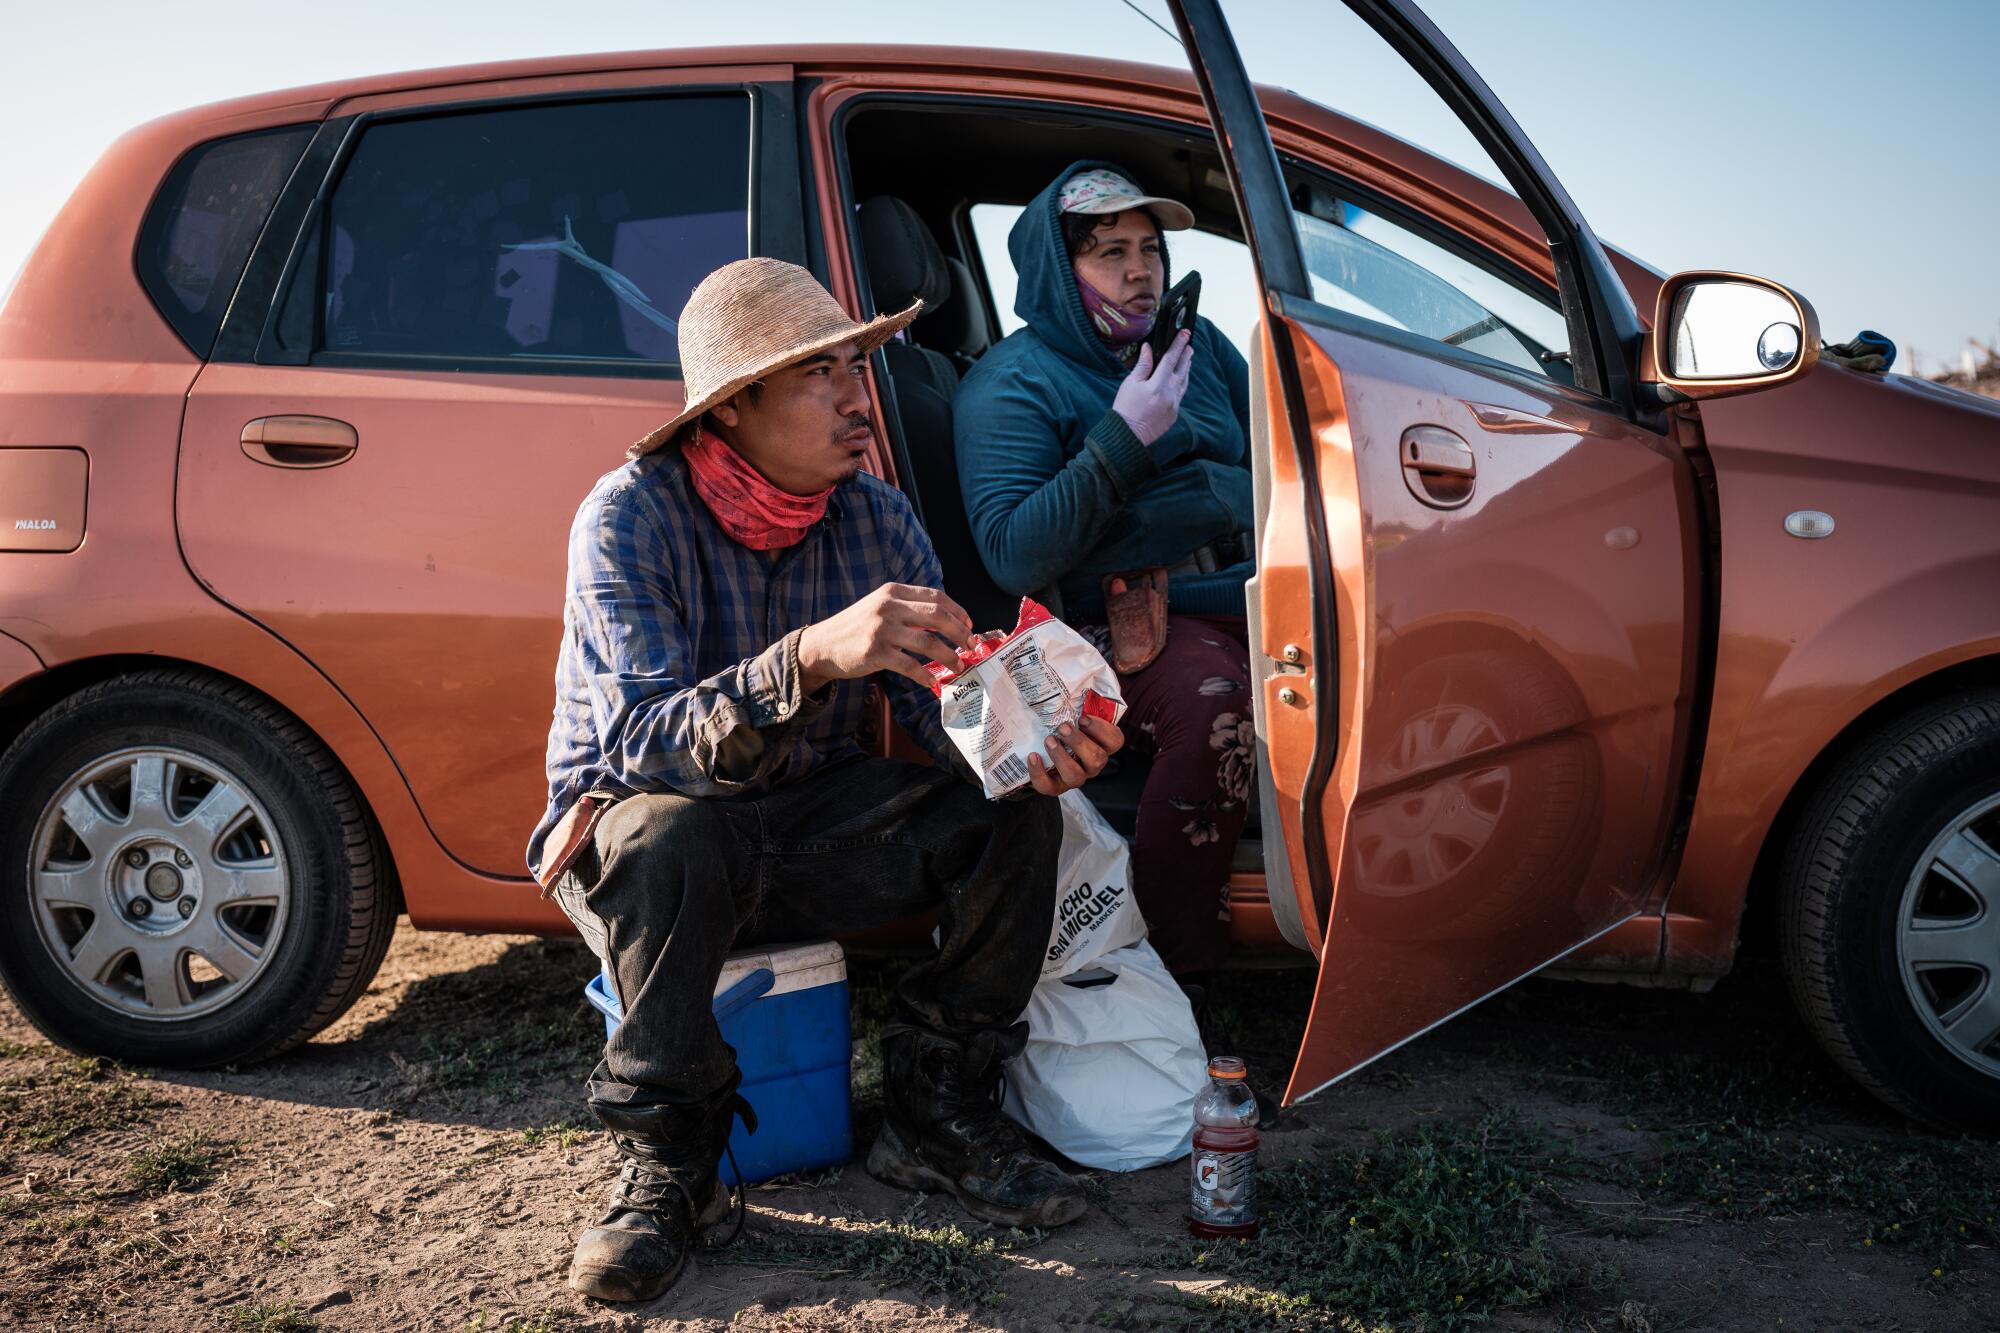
<point>667,1195</point>
<point>944,1131</point>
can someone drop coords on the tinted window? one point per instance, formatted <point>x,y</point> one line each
<point>199,231</point>
<point>572,231</point>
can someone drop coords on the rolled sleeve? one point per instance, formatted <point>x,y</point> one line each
<point>775,686</point>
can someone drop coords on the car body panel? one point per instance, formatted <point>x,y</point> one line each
<point>424,574</point>
<point>1816,633</point>
<point>18,663</point>
<point>1513,689</point>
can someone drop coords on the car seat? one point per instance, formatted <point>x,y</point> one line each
<point>905,264</point>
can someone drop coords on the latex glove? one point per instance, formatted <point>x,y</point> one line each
<point>1150,398</point>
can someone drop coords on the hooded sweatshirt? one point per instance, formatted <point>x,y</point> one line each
<point>1057,487</point>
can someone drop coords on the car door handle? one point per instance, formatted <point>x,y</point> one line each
<point>1438,466</point>
<point>299,441</point>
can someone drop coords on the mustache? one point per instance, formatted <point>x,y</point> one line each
<point>855,421</point>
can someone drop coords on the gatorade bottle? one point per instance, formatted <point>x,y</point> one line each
<point>1223,1198</point>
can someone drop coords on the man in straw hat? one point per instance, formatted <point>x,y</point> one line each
<point>732,589</point>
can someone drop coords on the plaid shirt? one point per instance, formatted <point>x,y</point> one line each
<point>679,668</point>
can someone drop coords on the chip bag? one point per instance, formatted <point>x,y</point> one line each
<point>1010,692</point>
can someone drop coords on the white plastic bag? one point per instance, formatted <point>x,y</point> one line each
<point>1007,695</point>
<point>1094,909</point>
<point>1112,1065</point>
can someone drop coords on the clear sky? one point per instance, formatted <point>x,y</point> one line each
<point>1843,147</point>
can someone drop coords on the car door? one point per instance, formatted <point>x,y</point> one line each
<point>1471,618</point>
<point>468,318</point>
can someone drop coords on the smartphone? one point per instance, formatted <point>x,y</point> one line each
<point>1175,312</point>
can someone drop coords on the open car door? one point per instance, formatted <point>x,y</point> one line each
<point>1471,622</point>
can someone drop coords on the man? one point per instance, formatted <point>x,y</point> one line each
<point>731,590</point>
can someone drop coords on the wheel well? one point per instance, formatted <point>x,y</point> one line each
<point>20,706</point>
<point>1759,932</point>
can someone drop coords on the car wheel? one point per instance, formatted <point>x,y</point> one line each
<point>188,876</point>
<point>1891,914</point>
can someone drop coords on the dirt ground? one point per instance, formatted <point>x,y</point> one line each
<point>1568,1156</point>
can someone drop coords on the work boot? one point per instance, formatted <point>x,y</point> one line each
<point>667,1195</point>
<point>944,1131</point>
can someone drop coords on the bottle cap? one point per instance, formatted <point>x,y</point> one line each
<point>1226,1066</point>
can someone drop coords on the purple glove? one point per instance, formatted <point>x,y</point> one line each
<point>1149,402</point>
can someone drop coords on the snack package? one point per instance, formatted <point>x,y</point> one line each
<point>1010,692</point>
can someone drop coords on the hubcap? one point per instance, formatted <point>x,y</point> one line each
<point>159,883</point>
<point>1948,940</point>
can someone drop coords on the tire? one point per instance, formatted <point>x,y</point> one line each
<point>185,816</point>
<point>1890,914</point>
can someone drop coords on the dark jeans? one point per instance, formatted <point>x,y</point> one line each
<point>673,884</point>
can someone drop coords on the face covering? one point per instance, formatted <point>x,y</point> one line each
<point>1114,323</point>
<point>749,508</point>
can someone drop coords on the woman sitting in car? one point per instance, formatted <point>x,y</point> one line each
<point>1081,460</point>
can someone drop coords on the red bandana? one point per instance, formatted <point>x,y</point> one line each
<point>749,508</point>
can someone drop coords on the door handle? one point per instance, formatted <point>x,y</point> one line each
<point>299,441</point>
<point>1438,466</point>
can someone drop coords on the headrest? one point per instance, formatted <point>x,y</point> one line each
<point>960,324</point>
<point>904,262</point>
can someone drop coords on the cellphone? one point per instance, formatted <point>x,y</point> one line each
<point>1176,311</point>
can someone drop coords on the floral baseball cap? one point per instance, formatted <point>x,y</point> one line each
<point>1101,191</point>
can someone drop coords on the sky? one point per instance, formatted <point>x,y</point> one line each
<point>1841,147</point>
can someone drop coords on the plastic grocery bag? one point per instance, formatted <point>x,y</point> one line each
<point>1010,692</point>
<point>1112,1064</point>
<point>1094,909</point>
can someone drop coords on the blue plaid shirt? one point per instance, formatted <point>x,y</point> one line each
<point>679,668</point>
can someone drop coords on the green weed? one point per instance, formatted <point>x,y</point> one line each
<point>267,1317</point>
<point>1741,1132</point>
<point>63,1096</point>
<point>1934,1197</point>
<point>1434,1226</point>
<point>562,1133</point>
<point>932,1260</point>
<point>552,1321</point>
<point>176,1165</point>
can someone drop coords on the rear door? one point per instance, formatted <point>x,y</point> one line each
<point>468,316</point>
<point>1471,619</point>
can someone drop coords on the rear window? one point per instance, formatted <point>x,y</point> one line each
<point>198,234</point>
<point>570,232</point>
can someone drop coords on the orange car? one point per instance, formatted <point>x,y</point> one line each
<point>1586,618</point>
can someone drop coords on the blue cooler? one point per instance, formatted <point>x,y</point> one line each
<point>785,1012</point>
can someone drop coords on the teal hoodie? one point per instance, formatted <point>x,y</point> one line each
<point>1057,487</point>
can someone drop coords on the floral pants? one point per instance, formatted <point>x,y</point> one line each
<point>1190,711</point>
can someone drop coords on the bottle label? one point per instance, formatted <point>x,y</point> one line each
<point>1225,1188</point>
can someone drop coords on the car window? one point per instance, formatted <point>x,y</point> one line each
<point>1363,264</point>
<point>1228,282</point>
<point>1369,266</point>
<point>198,233</point>
<point>571,231</point>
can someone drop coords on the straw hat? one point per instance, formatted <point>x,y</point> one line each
<point>750,318</point>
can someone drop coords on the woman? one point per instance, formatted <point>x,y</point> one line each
<point>1080,458</point>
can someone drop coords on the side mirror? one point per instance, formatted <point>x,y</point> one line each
<point>1720,334</point>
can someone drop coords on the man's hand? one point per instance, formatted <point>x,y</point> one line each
<point>1077,755</point>
<point>879,632</point>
